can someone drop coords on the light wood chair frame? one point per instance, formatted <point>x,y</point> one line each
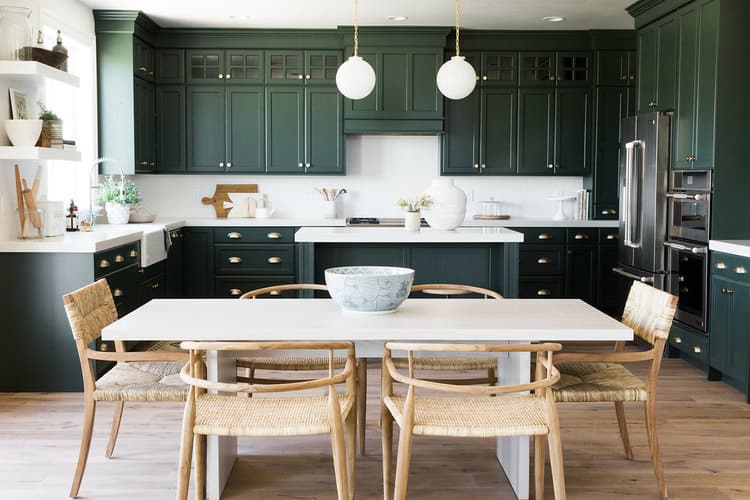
<point>194,374</point>
<point>654,356</point>
<point>546,375</point>
<point>86,357</point>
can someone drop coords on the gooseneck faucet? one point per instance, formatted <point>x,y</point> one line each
<point>94,182</point>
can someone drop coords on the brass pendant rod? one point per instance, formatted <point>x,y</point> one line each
<point>356,28</point>
<point>458,27</point>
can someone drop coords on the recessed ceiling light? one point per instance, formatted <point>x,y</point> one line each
<point>553,19</point>
<point>396,19</point>
<point>239,18</point>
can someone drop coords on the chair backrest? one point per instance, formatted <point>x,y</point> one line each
<point>90,309</point>
<point>193,375</point>
<point>449,290</point>
<point>277,289</point>
<point>649,312</point>
<point>544,358</point>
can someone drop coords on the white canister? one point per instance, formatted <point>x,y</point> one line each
<point>448,204</point>
<point>412,221</point>
<point>329,209</point>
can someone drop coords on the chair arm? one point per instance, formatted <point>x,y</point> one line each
<point>606,357</point>
<point>138,356</point>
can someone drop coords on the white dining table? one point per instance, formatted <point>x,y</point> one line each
<point>419,320</point>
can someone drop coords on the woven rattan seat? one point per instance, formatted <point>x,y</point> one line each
<point>474,417</point>
<point>597,382</point>
<point>266,416</point>
<point>289,362</point>
<point>142,381</point>
<point>457,363</point>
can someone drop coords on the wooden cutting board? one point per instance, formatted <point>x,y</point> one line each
<point>221,195</point>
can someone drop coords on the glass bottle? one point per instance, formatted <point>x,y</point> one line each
<point>15,33</point>
<point>62,50</point>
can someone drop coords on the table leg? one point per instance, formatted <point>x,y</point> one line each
<point>513,452</point>
<point>221,451</point>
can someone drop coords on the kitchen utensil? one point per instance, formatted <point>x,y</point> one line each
<point>32,211</point>
<point>19,198</point>
<point>37,181</point>
<point>221,195</point>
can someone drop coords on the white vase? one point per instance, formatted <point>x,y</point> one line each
<point>411,222</point>
<point>448,204</point>
<point>117,213</point>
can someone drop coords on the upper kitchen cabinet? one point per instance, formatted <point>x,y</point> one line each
<point>224,66</point>
<point>615,68</point>
<point>170,128</point>
<point>170,66</point>
<point>657,66</point>
<point>537,69</point>
<point>406,98</point>
<point>497,68</point>
<point>536,131</point>
<point>309,67</point>
<point>574,69</point>
<point>144,59</point>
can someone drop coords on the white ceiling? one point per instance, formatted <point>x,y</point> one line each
<point>479,14</point>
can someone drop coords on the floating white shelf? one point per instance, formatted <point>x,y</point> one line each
<point>25,71</point>
<point>18,153</point>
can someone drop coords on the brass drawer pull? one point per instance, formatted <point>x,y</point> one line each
<point>234,260</point>
<point>544,236</point>
<point>104,263</point>
<point>740,270</point>
<point>119,258</point>
<point>273,236</point>
<point>117,292</point>
<point>133,253</point>
<point>609,211</point>
<point>234,236</point>
<point>696,350</point>
<point>544,260</point>
<point>581,236</point>
<point>274,260</point>
<point>612,236</point>
<point>678,340</point>
<point>155,286</point>
<point>235,291</point>
<point>543,292</point>
<point>274,292</point>
<point>720,265</point>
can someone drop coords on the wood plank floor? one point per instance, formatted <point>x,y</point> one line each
<point>704,429</point>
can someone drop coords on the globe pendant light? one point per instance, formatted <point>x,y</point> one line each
<point>456,78</point>
<point>355,78</point>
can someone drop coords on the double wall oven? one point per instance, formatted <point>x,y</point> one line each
<point>688,228</point>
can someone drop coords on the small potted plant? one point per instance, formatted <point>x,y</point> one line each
<point>117,197</point>
<point>412,207</point>
<point>52,128</point>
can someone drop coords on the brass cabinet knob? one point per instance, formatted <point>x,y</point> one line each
<point>155,286</point>
<point>133,253</point>
<point>274,260</point>
<point>151,73</point>
<point>559,78</point>
<point>300,77</point>
<point>624,77</point>
<point>308,165</point>
<point>551,77</point>
<point>235,291</point>
<point>483,165</point>
<point>273,236</point>
<point>104,263</point>
<point>117,292</point>
<point>544,236</point>
<point>652,104</point>
<point>678,340</point>
<point>550,166</point>
<point>275,293</point>
<point>484,77</point>
<point>632,77</point>
<point>544,260</point>
<point>221,75</point>
<point>119,258</point>
<point>301,165</point>
<point>696,350</point>
<point>720,265</point>
<point>476,165</point>
<point>543,292</point>
<point>581,236</point>
<point>152,164</point>
<point>234,235</point>
<point>221,164</point>
<point>307,77</point>
<point>477,77</point>
<point>612,236</point>
<point>104,347</point>
<point>234,260</point>
<point>228,76</point>
<point>229,164</point>
<point>740,270</point>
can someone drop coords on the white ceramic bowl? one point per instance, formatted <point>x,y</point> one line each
<point>23,133</point>
<point>369,289</point>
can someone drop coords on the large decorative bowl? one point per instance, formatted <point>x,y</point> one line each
<point>369,289</point>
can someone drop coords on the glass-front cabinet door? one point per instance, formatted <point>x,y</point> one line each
<point>244,66</point>
<point>537,69</point>
<point>205,66</point>
<point>284,66</point>
<point>499,68</point>
<point>321,66</point>
<point>573,68</point>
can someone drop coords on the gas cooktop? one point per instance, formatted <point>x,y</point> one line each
<point>382,222</point>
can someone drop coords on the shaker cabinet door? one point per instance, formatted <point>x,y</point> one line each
<point>573,131</point>
<point>498,131</point>
<point>285,121</point>
<point>170,128</point>
<point>324,134</point>
<point>245,134</point>
<point>536,112</point>
<point>460,143</point>
<point>206,129</point>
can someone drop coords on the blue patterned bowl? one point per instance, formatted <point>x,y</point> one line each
<point>369,289</point>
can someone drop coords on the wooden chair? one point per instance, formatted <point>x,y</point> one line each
<point>472,413</point>
<point>137,376</point>
<point>597,377</point>
<point>230,415</point>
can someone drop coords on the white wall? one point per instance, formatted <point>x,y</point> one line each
<point>380,170</point>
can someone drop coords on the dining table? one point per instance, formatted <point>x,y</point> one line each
<point>416,320</point>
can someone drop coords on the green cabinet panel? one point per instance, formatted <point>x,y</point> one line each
<point>460,144</point>
<point>145,147</point>
<point>321,66</point>
<point>574,69</point>
<point>498,131</point>
<point>198,255</point>
<point>536,128</point>
<point>647,67</point>
<point>581,272</point>
<point>684,117</point>
<point>144,60</point>
<point>610,297</point>
<point>615,67</point>
<point>424,97</point>
<point>335,255</point>
<point>705,107</point>
<point>371,104</point>
<point>171,124</point>
<point>206,120</point>
<point>536,69</point>
<point>244,66</point>
<point>285,129</point>
<point>657,65</point>
<point>573,119</point>
<point>173,268</point>
<point>438,264</point>
<point>170,66</point>
<point>730,329</point>
<point>497,69</point>
<point>324,134</point>
<point>612,105</point>
<point>205,66</point>
<point>284,66</point>
<point>245,129</point>
<point>395,85</point>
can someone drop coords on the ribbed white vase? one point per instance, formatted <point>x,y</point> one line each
<point>448,204</point>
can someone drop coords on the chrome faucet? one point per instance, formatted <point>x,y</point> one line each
<point>94,183</point>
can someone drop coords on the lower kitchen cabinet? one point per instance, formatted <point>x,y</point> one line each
<point>198,263</point>
<point>581,272</point>
<point>173,272</point>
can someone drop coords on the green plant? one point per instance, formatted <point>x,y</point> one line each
<point>45,114</point>
<point>415,204</point>
<point>109,191</point>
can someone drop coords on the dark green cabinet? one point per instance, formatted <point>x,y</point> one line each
<point>581,269</point>
<point>144,60</point>
<point>536,129</point>
<point>243,67</point>
<point>174,277</point>
<point>205,66</point>
<point>615,68</point>
<point>285,133</point>
<point>324,134</point>
<point>245,143</point>
<point>145,148</point>
<point>574,69</point>
<point>206,122</point>
<point>573,119</point>
<point>657,65</point>
<point>497,69</point>
<point>170,66</point>
<point>284,66</point>
<point>610,295</point>
<point>171,123</point>
<point>321,66</point>
<point>461,142</point>
<point>537,69</point>
<point>198,262</point>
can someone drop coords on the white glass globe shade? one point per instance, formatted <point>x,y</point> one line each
<point>456,78</point>
<point>355,78</point>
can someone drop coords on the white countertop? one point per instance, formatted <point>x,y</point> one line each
<point>524,222</point>
<point>270,221</point>
<point>740,248</point>
<point>322,319</point>
<point>400,235</point>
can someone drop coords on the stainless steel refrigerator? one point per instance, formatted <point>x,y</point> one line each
<point>645,146</point>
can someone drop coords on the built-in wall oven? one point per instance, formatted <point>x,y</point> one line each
<point>689,216</point>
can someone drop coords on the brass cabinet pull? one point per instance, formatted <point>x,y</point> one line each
<point>678,340</point>
<point>234,260</point>
<point>143,163</point>
<point>581,236</point>
<point>143,69</point>
<point>117,292</point>
<point>544,236</point>
<point>104,263</point>
<point>632,77</point>
<point>274,292</point>
<point>274,260</point>
<point>720,265</point>
<point>559,78</point>
<point>612,236</point>
<point>273,236</point>
<point>235,291</point>
<point>544,260</point>
<point>740,270</point>
<point>229,164</point>
<point>543,292</point>
<point>228,76</point>
<point>221,164</point>
<point>609,211</point>
<point>155,286</point>
<point>119,258</point>
<point>308,165</point>
<point>696,350</point>
<point>152,164</point>
<point>300,77</point>
<point>551,77</point>
<point>484,77</point>
<point>652,104</point>
<point>307,77</point>
<point>234,235</point>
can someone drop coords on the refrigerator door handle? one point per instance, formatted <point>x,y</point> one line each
<point>630,191</point>
<point>642,279</point>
